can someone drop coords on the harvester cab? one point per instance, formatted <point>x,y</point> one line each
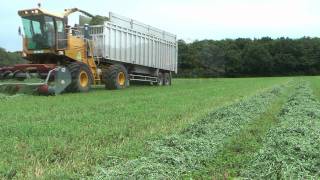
<point>60,57</point>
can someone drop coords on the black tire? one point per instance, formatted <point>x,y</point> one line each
<point>160,79</point>
<point>116,77</point>
<point>77,70</point>
<point>1,76</point>
<point>5,75</point>
<point>167,79</point>
<point>20,76</point>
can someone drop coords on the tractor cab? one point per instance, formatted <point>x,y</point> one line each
<point>43,31</point>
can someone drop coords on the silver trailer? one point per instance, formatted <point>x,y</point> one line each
<point>147,52</point>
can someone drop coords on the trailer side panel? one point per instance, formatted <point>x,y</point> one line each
<point>128,41</point>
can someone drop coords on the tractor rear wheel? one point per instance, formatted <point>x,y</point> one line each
<point>167,79</point>
<point>82,78</point>
<point>116,77</point>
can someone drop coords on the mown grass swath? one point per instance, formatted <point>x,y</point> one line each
<point>179,154</point>
<point>69,136</point>
<point>291,150</point>
<point>67,139</point>
<point>237,151</point>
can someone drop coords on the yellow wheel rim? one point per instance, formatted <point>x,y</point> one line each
<point>84,79</point>
<point>121,79</point>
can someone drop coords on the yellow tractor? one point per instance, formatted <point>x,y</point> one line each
<point>59,55</point>
<point>68,59</point>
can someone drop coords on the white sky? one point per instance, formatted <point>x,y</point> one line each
<point>189,19</point>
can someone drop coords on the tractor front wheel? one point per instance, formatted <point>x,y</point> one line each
<point>82,78</point>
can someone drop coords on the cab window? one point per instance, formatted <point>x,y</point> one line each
<point>61,34</point>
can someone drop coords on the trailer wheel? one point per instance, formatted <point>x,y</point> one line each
<point>167,79</point>
<point>160,79</point>
<point>82,78</point>
<point>116,77</point>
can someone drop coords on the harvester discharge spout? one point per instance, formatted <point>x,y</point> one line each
<point>34,79</point>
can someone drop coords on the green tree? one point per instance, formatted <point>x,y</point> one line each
<point>10,58</point>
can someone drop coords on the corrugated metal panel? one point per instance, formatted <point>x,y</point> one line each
<point>125,40</point>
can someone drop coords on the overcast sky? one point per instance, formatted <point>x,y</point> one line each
<point>189,19</point>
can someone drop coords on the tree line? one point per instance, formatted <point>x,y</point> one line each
<point>236,58</point>
<point>247,57</point>
<point>10,58</point>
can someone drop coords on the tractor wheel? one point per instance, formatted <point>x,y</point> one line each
<point>82,78</point>
<point>167,79</point>
<point>160,79</point>
<point>116,77</point>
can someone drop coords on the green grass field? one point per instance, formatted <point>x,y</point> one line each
<point>74,136</point>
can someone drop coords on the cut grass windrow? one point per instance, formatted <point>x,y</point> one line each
<point>188,151</point>
<point>68,136</point>
<point>237,150</point>
<point>4,97</point>
<point>291,149</point>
